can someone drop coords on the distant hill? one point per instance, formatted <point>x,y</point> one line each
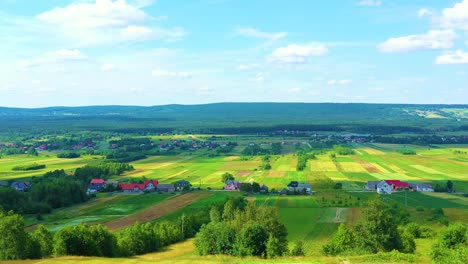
<point>237,115</point>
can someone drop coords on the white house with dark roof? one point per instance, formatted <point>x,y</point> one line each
<point>384,188</point>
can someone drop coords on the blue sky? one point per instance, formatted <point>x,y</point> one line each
<point>144,52</point>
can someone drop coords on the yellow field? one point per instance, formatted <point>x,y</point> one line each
<point>372,151</point>
<point>352,167</point>
<point>322,164</point>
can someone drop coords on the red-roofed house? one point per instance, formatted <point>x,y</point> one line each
<point>148,185</point>
<point>151,184</point>
<point>97,184</point>
<point>132,187</point>
<point>397,184</point>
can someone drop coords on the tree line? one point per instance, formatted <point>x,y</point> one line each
<point>243,229</point>
<point>96,240</point>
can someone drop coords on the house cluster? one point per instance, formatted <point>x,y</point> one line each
<point>234,185</point>
<point>295,187</point>
<point>97,185</point>
<point>17,185</point>
<point>389,186</point>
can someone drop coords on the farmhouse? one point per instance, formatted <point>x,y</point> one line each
<point>297,187</point>
<point>148,185</point>
<point>182,184</point>
<point>421,187</point>
<point>132,187</point>
<point>384,188</point>
<point>21,186</point>
<point>371,185</point>
<point>397,184</point>
<point>97,184</point>
<point>165,188</point>
<point>263,189</point>
<point>232,185</point>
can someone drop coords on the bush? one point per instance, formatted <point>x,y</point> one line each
<point>298,249</point>
<point>68,155</point>
<point>33,166</point>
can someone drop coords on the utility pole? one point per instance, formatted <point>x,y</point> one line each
<point>183,216</point>
<point>406,197</point>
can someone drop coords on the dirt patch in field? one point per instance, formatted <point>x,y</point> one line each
<point>132,172</point>
<point>366,165</point>
<point>276,174</point>
<point>243,173</point>
<point>231,158</point>
<point>161,209</point>
<point>353,216</point>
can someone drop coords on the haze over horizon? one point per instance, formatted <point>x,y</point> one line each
<point>145,52</point>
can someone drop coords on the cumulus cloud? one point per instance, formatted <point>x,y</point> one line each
<point>252,32</point>
<point>170,74</point>
<point>370,3</point>
<point>101,14</point>
<point>453,57</point>
<point>57,56</point>
<point>455,17</point>
<point>424,12</point>
<point>339,82</point>
<point>434,39</point>
<point>106,21</point>
<point>298,53</point>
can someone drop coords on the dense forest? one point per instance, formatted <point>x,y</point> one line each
<point>239,118</point>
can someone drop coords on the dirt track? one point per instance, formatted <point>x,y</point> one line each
<point>163,208</point>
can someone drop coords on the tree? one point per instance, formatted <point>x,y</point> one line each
<point>246,187</point>
<point>378,230</point>
<point>228,212</point>
<point>44,240</point>
<point>215,238</point>
<point>342,241</point>
<point>449,185</point>
<point>452,246</point>
<point>13,237</point>
<point>298,249</point>
<point>274,247</point>
<point>215,216</point>
<point>251,241</point>
<point>255,187</point>
<point>226,176</point>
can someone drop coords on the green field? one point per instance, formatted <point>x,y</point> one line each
<point>311,219</point>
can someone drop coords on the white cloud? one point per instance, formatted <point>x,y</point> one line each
<point>252,32</point>
<point>101,14</point>
<point>170,74</point>
<point>455,17</point>
<point>136,32</point>
<point>433,39</point>
<point>298,53</point>
<point>424,12</point>
<point>57,56</point>
<point>370,3</point>
<point>244,67</point>
<point>453,57</point>
<point>339,82</point>
<point>107,21</point>
<point>260,77</point>
<point>108,67</point>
